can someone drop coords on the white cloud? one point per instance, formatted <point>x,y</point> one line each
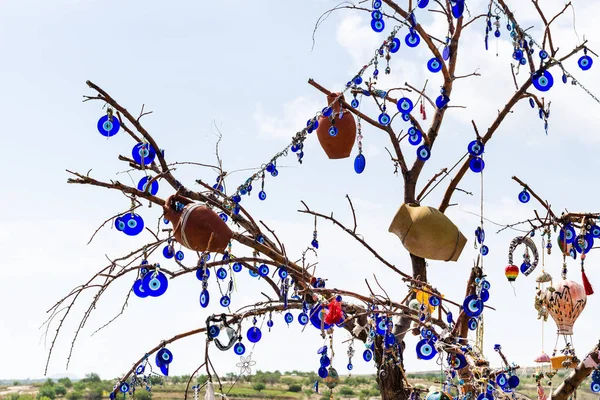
<point>289,120</point>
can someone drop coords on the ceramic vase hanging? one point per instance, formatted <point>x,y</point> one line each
<point>194,224</point>
<point>426,232</point>
<point>338,142</point>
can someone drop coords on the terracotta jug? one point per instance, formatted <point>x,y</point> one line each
<point>194,225</point>
<point>340,145</point>
<point>426,232</point>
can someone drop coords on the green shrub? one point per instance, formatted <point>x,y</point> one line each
<point>60,390</point>
<point>93,394</point>
<point>66,382</point>
<point>46,391</point>
<point>295,388</point>
<point>75,395</point>
<point>346,391</point>
<point>258,386</point>
<point>142,394</point>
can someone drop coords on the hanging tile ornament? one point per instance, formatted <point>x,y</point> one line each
<point>289,318</point>
<point>446,50</point>
<point>412,39</point>
<point>484,251</point>
<point>155,283</point>
<point>239,348</point>
<point>583,243</point>
<point>567,234</point>
<point>473,306</point>
<point>384,119</point>
<point>163,358</point>
<point>405,105</point>
<point>414,136</point>
<point>423,152</point>
<point>359,163</point>
<point>168,251</point>
<point>524,196</point>
<point>477,164</point>
<point>377,25</point>
<point>480,235</point>
<point>221,273</point>
<point>143,185</point>
<point>133,224</point>
<point>237,267</point>
<point>394,45</point>
<point>442,100</point>
<point>263,270</point>
<point>476,148</point>
<point>124,388</point>
<point>543,81</point>
<point>425,350</point>
<point>143,153</point>
<point>458,7</point>
<point>367,355</point>
<point>585,62</point>
<point>434,65</point>
<point>472,324</point>
<point>422,3</point>
<point>138,290</point>
<point>254,334</point>
<point>179,256</point>
<point>109,125</point>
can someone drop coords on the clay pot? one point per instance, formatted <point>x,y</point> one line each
<point>426,232</point>
<point>194,225</point>
<point>340,145</point>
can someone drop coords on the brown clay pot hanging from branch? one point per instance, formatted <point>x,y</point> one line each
<point>194,225</point>
<point>426,232</point>
<point>339,145</point>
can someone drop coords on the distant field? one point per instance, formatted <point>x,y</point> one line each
<point>263,385</point>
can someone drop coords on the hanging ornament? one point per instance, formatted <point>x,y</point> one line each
<point>426,232</point>
<point>527,266</point>
<point>360,161</point>
<point>109,125</point>
<point>163,359</point>
<point>585,62</point>
<point>197,227</point>
<point>542,80</point>
<point>342,124</point>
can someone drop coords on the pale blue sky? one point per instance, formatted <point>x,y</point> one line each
<point>245,65</point>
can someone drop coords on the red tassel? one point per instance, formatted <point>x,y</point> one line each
<point>334,314</point>
<point>589,290</point>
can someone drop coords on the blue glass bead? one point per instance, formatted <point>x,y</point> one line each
<point>360,163</point>
<point>108,128</point>
<point>262,195</point>
<point>377,25</point>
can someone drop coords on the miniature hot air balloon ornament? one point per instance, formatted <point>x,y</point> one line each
<point>565,301</point>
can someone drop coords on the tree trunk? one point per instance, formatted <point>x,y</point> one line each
<point>391,383</point>
<point>390,379</point>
